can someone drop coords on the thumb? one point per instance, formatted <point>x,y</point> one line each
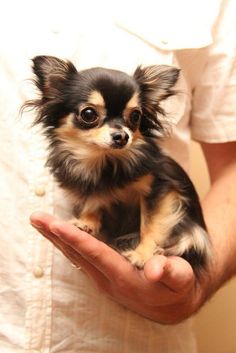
<point>173,271</point>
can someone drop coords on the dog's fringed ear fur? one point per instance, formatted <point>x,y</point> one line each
<point>51,76</point>
<point>51,73</point>
<point>156,84</point>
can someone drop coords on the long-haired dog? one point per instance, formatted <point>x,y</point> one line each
<point>103,128</point>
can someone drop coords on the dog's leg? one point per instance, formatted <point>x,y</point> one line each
<point>88,222</point>
<point>157,220</point>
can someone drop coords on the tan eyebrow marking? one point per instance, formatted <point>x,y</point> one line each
<point>133,102</point>
<point>96,99</point>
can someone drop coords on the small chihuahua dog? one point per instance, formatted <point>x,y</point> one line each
<point>103,128</point>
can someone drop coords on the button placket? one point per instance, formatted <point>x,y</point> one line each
<point>40,252</point>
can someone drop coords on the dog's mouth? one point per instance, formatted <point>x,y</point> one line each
<point>118,147</point>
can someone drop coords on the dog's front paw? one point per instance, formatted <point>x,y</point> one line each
<point>141,254</point>
<point>86,227</point>
<point>137,259</point>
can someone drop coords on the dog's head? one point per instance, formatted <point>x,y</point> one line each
<point>103,108</point>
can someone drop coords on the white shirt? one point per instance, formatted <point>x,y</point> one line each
<point>46,305</point>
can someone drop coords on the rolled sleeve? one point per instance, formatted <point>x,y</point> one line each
<point>213,117</point>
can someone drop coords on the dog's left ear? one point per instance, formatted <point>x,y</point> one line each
<point>156,83</point>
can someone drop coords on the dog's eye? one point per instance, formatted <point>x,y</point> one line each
<point>135,117</point>
<point>89,115</point>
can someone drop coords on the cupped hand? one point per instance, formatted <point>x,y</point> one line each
<point>165,291</point>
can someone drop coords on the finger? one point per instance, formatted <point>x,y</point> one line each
<point>100,255</point>
<point>174,272</point>
<point>69,252</point>
<point>41,221</point>
<point>77,260</point>
<point>154,268</point>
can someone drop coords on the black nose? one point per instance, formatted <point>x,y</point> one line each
<point>120,139</point>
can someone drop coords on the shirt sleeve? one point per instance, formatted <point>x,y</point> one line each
<point>213,117</point>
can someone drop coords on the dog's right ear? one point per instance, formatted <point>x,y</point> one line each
<point>51,74</point>
<point>51,77</point>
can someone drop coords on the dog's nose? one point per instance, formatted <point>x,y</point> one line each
<point>120,138</point>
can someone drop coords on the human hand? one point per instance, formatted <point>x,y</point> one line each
<point>165,291</point>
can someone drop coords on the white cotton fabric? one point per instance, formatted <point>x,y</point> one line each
<point>46,306</point>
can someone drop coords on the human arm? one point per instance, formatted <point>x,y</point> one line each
<point>219,208</point>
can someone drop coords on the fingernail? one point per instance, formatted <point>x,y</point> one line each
<point>37,224</point>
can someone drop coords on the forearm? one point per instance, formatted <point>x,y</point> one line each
<point>220,214</point>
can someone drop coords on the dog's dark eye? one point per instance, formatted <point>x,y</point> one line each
<point>89,115</point>
<point>135,117</point>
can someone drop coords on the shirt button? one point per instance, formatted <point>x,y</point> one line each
<point>38,272</point>
<point>40,190</point>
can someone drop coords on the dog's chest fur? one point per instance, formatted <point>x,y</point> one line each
<point>111,186</point>
<point>91,174</point>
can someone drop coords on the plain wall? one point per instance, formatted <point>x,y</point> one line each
<point>215,324</point>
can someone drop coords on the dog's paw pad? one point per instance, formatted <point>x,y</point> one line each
<point>159,251</point>
<point>86,229</point>
<point>82,226</point>
<point>139,256</point>
<point>137,259</point>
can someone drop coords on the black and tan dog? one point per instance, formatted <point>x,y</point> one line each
<point>103,128</point>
